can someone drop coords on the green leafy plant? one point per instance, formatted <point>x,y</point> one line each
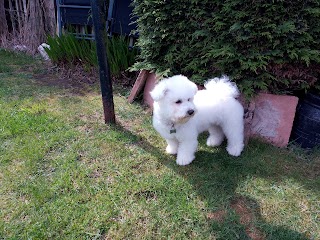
<point>262,45</point>
<point>67,49</point>
<point>120,56</point>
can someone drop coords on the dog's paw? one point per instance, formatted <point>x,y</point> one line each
<point>214,141</point>
<point>182,161</point>
<point>235,150</point>
<point>171,150</point>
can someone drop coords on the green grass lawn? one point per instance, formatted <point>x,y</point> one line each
<point>64,174</point>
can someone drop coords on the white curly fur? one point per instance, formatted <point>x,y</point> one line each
<point>181,112</point>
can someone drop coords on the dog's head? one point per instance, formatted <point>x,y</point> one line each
<point>173,98</point>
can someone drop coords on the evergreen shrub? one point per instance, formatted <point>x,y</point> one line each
<point>262,45</point>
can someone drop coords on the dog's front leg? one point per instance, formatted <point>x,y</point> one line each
<point>172,147</point>
<point>186,151</point>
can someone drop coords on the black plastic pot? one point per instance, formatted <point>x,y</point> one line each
<point>306,126</point>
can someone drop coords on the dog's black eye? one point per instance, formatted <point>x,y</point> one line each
<point>178,102</point>
<point>189,99</point>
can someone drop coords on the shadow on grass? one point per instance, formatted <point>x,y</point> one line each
<point>215,177</point>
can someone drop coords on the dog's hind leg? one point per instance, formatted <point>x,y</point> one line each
<point>216,136</point>
<point>234,134</point>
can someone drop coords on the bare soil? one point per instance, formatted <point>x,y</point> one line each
<point>79,79</point>
<point>246,213</point>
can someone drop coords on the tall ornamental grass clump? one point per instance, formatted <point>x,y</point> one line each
<point>262,45</point>
<point>67,49</point>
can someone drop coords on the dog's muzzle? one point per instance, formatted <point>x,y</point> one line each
<point>190,112</point>
<point>183,119</point>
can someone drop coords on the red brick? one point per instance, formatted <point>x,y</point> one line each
<point>273,118</point>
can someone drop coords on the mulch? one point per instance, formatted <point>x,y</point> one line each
<point>79,79</point>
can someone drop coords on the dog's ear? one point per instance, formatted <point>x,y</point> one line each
<point>195,88</point>
<point>159,91</point>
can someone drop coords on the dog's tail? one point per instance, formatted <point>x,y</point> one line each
<point>222,87</point>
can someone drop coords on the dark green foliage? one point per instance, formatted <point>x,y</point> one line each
<point>266,45</point>
<point>120,56</point>
<point>67,49</point>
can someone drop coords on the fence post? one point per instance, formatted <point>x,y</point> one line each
<point>99,23</point>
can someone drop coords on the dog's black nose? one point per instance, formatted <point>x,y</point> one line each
<point>190,112</point>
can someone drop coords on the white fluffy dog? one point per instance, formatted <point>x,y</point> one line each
<point>181,112</point>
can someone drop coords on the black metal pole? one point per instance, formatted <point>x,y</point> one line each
<point>98,14</point>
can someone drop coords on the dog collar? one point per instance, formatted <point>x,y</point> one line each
<point>173,129</point>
